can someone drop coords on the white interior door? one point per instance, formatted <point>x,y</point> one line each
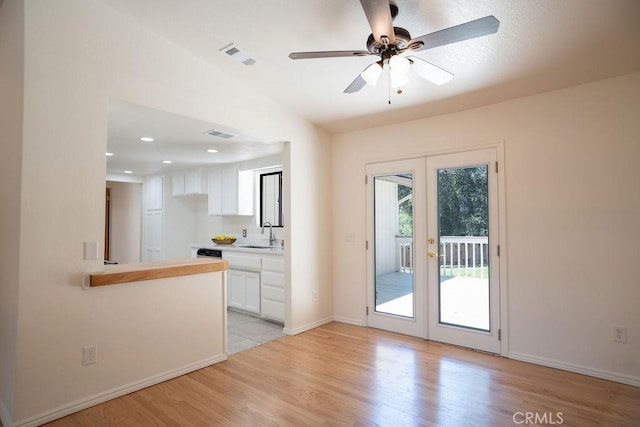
<point>462,249</point>
<point>396,282</point>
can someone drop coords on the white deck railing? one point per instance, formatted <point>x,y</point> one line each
<point>467,255</point>
<point>404,257</point>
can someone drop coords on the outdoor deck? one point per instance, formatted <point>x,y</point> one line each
<point>464,287</point>
<point>464,300</point>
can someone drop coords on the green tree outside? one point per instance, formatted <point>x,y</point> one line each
<point>463,201</point>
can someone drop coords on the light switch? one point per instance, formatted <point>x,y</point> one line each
<point>90,250</point>
<point>349,236</point>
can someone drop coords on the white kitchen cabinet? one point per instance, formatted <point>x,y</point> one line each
<point>189,183</point>
<point>177,184</point>
<point>236,289</point>
<point>243,290</point>
<point>153,187</point>
<point>272,288</point>
<point>153,219</point>
<point>252,297</point>
<point>153,235</point>
<point>255,283</point>
<point>230,192</point>
<point>215,192</point>
<point>243,281</point>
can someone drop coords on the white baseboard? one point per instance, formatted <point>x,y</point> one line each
<point>97,398</point>
<point>308,326</point>
<point>355,322</point>
<point>578,369</point>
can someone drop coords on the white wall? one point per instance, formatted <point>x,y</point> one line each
<point>77,56</point>
<point>126,222</point>
<point>572,207</point>
<point>11,84</point>
<point>308,243</point>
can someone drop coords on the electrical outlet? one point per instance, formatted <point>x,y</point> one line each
<point>314,296</point>
<point>619,334</point>
<point>244,232</point>
<point>90,355</point>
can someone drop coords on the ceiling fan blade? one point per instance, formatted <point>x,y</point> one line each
<point>357,84</point>
<point>379,16</point>
<point>328,54</point>
<point>428,71</point>
<point>478,28</point>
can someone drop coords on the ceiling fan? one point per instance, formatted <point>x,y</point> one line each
<point>390,43</point>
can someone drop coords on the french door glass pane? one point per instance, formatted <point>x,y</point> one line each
<point>463,239</point>
<point>393,246</point>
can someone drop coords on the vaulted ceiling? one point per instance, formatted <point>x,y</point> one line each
<point>541,45</point>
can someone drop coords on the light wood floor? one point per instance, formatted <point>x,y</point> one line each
<point>346,375</point>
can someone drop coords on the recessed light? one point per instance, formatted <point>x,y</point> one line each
<point>212,150</point>
<point>146,139</point>
<point>109,154</point>
<point>128,171</point>
<point>167,162</point>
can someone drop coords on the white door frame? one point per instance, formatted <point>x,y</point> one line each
<point>421,245</point>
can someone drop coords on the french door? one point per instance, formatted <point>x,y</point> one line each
<point>396,291</point>
<point>432,256</point>
<point>462,256</point>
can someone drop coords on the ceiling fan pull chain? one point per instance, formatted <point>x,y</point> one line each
<point>389,84</point>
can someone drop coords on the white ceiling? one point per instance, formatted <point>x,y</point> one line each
<point>182,140</point>
<point>541,45</point>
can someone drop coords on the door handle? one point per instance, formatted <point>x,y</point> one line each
<point>432,254</point>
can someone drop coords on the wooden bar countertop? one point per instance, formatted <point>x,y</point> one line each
<point>125,273</point>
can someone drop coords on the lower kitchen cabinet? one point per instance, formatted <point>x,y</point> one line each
<point>272,299</point>
<point>243,290</point>
<point>272,280</point>
<point>255,283</point>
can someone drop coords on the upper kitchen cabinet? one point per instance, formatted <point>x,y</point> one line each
<point>230,192</point>
<point>153,193</point>
<point>189,183</point>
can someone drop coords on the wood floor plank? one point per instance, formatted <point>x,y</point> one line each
<point>341,374</point>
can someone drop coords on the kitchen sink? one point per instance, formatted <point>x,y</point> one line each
<point>255,246</point>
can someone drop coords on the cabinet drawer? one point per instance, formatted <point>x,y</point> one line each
<point>273,310</point>
<point>274,294</point>
<point>248,262</point>
<point>275,280</point>
<point>273,264</point>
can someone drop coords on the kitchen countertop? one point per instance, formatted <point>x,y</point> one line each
<point>233,248</point>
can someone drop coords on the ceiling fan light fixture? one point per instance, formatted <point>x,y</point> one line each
<point>371,74</point>
<point>398,70</point>
<point>399,64</point>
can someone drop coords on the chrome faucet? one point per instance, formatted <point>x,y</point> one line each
<point>272,237</point>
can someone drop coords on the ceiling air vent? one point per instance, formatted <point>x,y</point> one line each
<point>237,54</point>
<point>219,134</point>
